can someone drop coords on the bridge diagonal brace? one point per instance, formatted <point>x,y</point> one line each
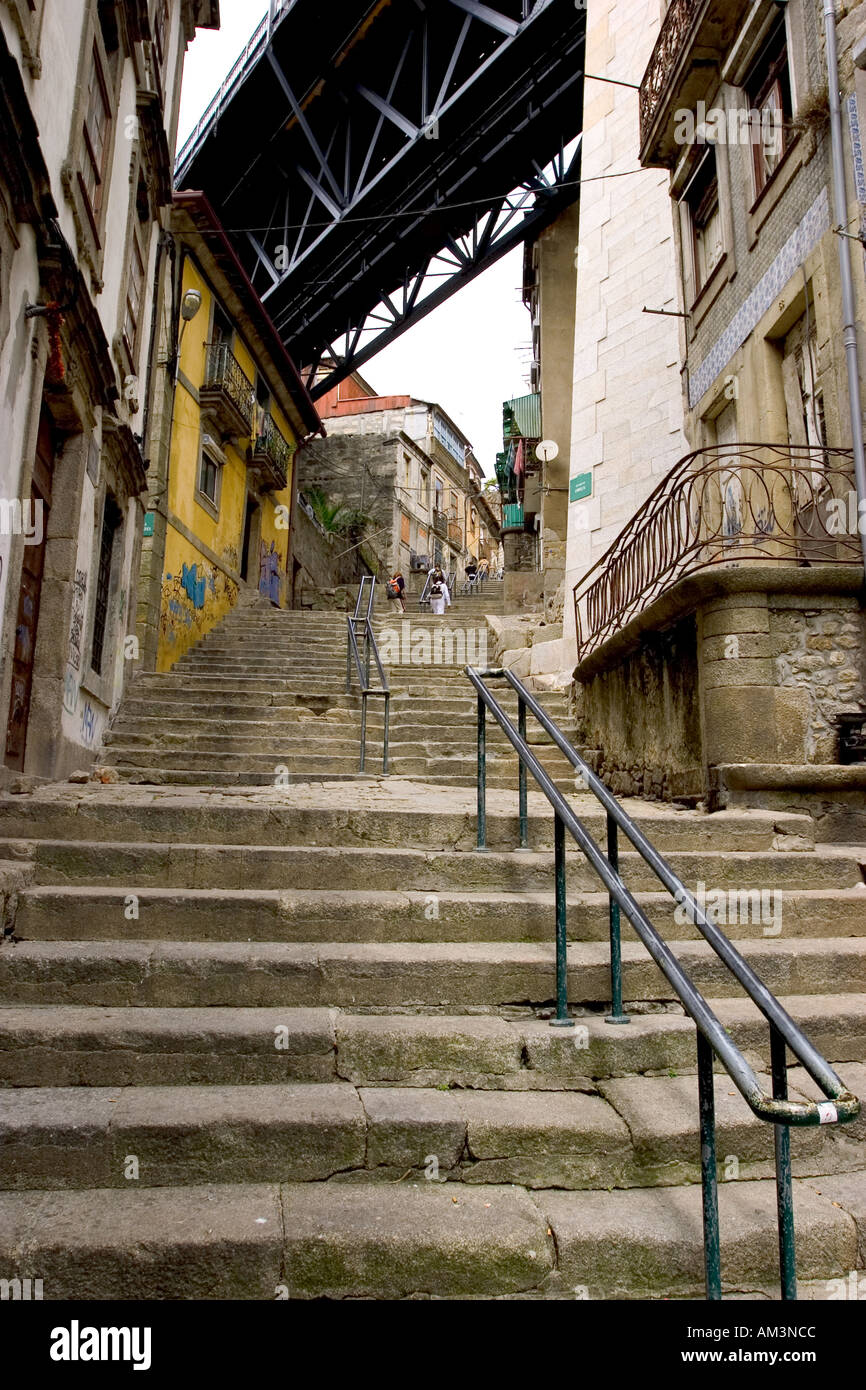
<point>303,122</point>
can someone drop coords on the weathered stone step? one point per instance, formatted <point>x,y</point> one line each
<point>109,816</point>
<point>400,974</point>
<point>56,913</point>
<point>312,866</point>
<point>336,735</point>
<point>390,1241</point>
<point>639,1132</point>
<point>301,762</point>
<point>78,1045</point>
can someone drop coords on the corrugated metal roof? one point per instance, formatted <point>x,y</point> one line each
<point>521,417</point>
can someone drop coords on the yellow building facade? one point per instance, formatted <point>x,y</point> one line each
<point>222,518</point>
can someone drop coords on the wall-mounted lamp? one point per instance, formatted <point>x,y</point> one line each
<point>189,307</point>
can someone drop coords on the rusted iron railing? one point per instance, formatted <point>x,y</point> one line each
<point>723,506</point>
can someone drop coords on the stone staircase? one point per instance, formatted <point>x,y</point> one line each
<point>262,700</point>
<point>293,1041</point>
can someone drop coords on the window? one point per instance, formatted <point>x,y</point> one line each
<point>111,521</point>
<point>160,39</point>
<point>97,140</point>
<point>136,276</point>
<point>209,473</point>
<point>439,491</point>
<point>448,438</point>
<point>702,200</point>
<point>770,102</point>
<point>222,329</point>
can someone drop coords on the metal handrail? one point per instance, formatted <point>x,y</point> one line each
<point>840,1106</point>
<point>360,624</point>
<point>729,504</point>
<point>424,600</point>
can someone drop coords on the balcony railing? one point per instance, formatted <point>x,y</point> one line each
<point>227,390</point>
<point>758,503</point>
<point>455,534</point>
<point>272,455</point>
<point>440,523</point>
<point>676,28</point>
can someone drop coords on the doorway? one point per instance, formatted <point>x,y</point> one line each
<point>250,552</point>
<point>32,569</point>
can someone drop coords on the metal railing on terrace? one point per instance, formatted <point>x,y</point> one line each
<point>223,373</point>
<point>271,450</point>
<point>723,506</point>
<point>678,24</point>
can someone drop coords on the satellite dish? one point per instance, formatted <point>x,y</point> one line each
<point>546,450</point>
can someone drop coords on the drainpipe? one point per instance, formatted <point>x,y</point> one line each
<point>840,212</point>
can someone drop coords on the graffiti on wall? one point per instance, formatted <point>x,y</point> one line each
<point>192,602</point>
<point>76,625</point>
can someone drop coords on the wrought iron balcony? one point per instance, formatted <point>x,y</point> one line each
<point>726,506</point>
<point>272,456</point>
<point>455,534</point>
<point>227,392</point>
<point>440,523</point>
<point>694,37</point>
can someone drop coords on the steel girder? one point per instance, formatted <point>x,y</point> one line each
<point>367,166</point>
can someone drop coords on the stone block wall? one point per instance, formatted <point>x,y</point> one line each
<point>641,718</point>
<point>819,652</point>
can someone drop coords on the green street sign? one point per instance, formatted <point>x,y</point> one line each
<point>581,486</point>
<point>149,522</point>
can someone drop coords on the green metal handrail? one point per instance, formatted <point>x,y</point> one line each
<point>360,625</point>
<point>840,1106</point>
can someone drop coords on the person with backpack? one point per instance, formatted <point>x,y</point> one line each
<point>439,595</point>
<point>396,588</point>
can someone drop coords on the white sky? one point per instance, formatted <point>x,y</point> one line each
<point>471,353</point>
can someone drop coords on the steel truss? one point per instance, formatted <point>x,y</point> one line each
<point>432,138</point>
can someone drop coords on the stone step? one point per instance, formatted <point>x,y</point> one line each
<point>316,867</point>
<point>397,818</point>
<point>226,913</point>
<point>390,1241</point>
<point>80,1045</point>
<point>142,720</point>
<point>307,759</point>
<point>638,1132</point>
<point>402,974</point>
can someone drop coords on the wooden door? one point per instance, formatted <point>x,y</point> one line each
<point>28,601</point>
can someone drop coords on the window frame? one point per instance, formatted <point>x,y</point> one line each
<point>210,451</point>
<point>757,89</point>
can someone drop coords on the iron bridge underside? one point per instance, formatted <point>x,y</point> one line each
<point>370,159</point>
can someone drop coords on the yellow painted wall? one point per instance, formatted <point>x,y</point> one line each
<point>196,593</point>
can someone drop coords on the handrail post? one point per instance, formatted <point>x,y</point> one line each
<point>784,1194</point>
<point>386,731</point>
<point>562,1019</point>
<point>363,730</point>
<point>482,775</point>
<point>616,1014</point>
<point>709,1176</point>
<point>521,776</point>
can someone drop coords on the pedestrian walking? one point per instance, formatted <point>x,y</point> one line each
<point>439,595</point>
<point>397,588</point>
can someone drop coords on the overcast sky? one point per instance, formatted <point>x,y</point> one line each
<point>470,354</point>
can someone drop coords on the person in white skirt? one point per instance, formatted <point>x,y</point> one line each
<point>439,595</point>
